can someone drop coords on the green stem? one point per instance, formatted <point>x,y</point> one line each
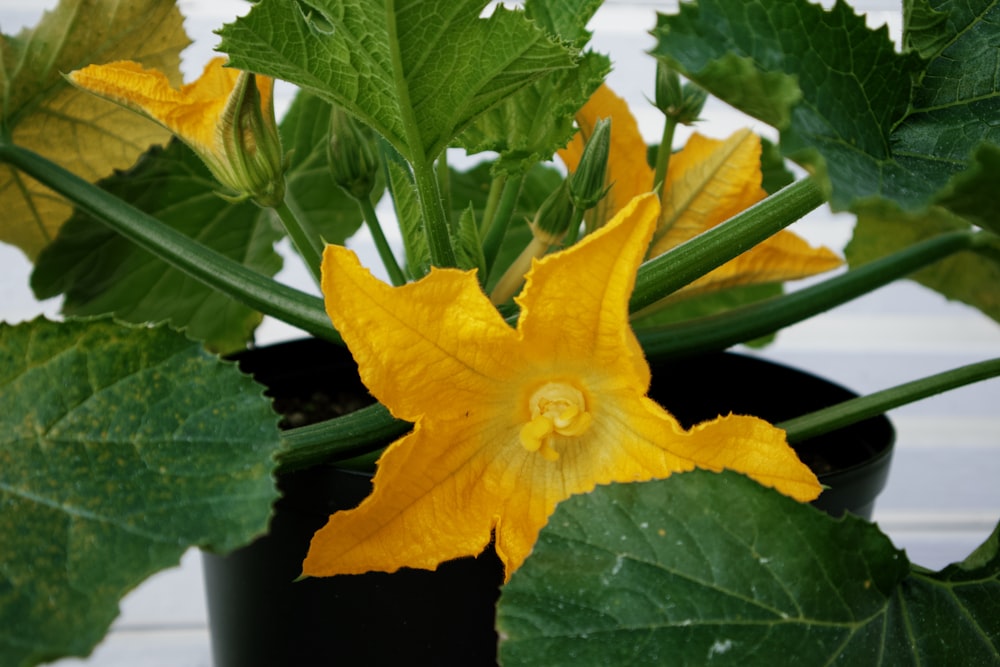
<point>720,331</point>
<point>353,434</point>
<point>863,407</point>
<point>492,202</point>
<point>381,244</point>
<point>435,222</point>
<point>305,240</point>
<point>663,154</point>
<point>204,264</point>
<point>497,229</point>
<point>676,268</point>
<point>434,219</point>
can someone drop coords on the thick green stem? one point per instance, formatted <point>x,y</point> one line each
<point>738,325</point>
<point>676,268</point>
<point>863,407</point>
<point>381,244</point>
<point>345,437</point>
<point>215,270</point>
<point>435,221</point>
<point>305,240</point>
<point>497,229</point>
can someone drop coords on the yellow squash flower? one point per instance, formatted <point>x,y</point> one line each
<point>708,181</point>
<point>226,117</point>
<point>509,422</point>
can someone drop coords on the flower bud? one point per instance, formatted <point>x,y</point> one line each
<point>683,103</point>
<point>586,185</point>
<point>351,154</point>
<point>253,164</point>
<point>553,217</point>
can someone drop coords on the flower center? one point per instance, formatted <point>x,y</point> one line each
<point>557,408</point>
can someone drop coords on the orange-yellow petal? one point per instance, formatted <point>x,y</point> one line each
<point>707,182</point>
<point>628,172</point>
<point>574,305</point>
<point>434,345</point>
<point>482,458</point>
<point>784,256</point>
<point>191,111</point>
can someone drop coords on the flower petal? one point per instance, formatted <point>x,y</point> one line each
<point>190,112</point>
<point>574,306</point>
<point>707,182</point>
<point>784,256</point>
<point>433,346</point>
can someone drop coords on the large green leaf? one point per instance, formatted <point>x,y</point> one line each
<point>42,112</point>
<point>875,121</point>
<point>101,272</point>
<point>120,448</point>
<point>539,120</point>
<point>705,568</point>
<point>417,71</point>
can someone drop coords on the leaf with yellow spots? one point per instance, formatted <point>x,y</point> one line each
<point>42,112</point>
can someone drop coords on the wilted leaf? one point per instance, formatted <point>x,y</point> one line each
<point>121,447</point>
<point>705,568</point>
<point>418,73</point>
<point>43,113</point>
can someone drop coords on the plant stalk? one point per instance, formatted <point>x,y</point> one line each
<point>305,240</point>
<point>663,275</point>
<point>863,407</point>
<point>717,332</point>
<point>381,243</point>
<point>212,268</point>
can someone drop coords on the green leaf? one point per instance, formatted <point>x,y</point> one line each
<point>418,72</point>
<point>101,272</point>
<point>968,277</point>
<point>121,448</point>
<point>532,125</point>
<point>468,245</point>
<point>873,121</point>
<point>42,112</point>
<point>705,568</point>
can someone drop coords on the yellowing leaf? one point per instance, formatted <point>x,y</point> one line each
<point>43,112</point>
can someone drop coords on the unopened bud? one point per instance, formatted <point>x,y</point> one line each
<point>554,216</point>
<point>586,185</point>
<point>684,102</point>
<point>253,164</point>
<point>351,154</point>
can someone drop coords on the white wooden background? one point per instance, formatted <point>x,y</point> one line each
<point>942,498</point>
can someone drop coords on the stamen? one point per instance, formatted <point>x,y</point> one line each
<point>557,409</point>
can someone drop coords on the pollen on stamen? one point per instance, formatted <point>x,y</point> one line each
<point>557,409</point>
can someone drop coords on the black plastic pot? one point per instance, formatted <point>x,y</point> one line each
<point>260,616</point>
